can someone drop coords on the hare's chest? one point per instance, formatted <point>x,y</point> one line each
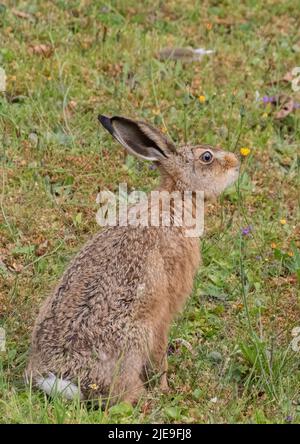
<point>181,262</point>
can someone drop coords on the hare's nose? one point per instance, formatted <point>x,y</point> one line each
<point>231,160</point>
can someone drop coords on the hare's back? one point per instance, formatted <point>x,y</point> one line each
<point>99,289</point>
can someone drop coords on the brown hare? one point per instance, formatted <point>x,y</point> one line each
<point>103,332</point>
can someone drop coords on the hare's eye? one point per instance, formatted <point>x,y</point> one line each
<point>206,157</point>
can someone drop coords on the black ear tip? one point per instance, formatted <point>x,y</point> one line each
<point>103,119</point>
<point>106,122</point>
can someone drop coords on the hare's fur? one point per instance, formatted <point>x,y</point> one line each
<point>104,330</point>
<point>109,317</point>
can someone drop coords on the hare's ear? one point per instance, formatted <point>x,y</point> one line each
<point>139,138</point>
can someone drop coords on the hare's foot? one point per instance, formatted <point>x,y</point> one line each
<point>164,386</point>
<point>134,394</point>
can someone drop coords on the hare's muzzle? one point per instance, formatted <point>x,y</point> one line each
<point>231,161</point>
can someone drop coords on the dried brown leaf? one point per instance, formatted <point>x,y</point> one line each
<point>42,50</point>
<point>229,22</point>
<point>288,77</point>
<point>286,107</point>
<point>22,14</point>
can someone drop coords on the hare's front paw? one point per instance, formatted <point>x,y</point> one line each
<point>164,386</point>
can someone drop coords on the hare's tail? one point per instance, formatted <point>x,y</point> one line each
<point>53,385</point>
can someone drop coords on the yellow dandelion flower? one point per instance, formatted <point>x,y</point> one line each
<point>245,151</point>
<point>94,386</point>
<point>202,99</point>
<point>283,221</point>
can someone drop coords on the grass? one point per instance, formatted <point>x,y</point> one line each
<point>230,358</point>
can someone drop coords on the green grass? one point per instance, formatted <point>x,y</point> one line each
<point>230,351</point>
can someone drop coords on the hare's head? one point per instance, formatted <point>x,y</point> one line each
<point>193,168</point>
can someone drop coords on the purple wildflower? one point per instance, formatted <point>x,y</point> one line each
<point>246,231</point>
<point>274,99</point>
<point>171,349</point>
<point>289,418</point>
<point>269,99</point>
<point>152,167</point>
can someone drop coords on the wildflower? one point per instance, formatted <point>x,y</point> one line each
<point>156,112</point>
<point>94,386</point>
<point>245,151</point>
<point>246,231</point>
<point>264,115</point>
<point>290,253</point>
<point>202,99</point>
<point>282,221</point>
<point>268,99</point>
<point>209,26</point>
<point>273,245</point>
